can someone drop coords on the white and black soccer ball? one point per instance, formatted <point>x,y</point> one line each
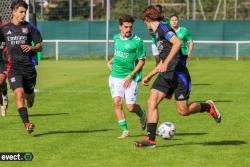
<point>166,130</point>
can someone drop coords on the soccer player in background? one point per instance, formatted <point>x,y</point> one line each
<point>154,47</point>
<point>184,35</point>
<point>126,72</point>
<point>173,77</point>
<point>3,84</point>
<point>18,35</point>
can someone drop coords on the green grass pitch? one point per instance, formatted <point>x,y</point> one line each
<point>76,126</point>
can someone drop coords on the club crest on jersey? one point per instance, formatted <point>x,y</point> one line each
<point>25,30</point>
<point>127,46</point>
<point>13,79</point>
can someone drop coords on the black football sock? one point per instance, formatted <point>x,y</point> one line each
<point>151,130</point>
<point>24,114</point>
<point>204,107</point>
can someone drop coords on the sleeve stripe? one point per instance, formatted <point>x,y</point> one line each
<point>169,35</point>
<point>164,27</point>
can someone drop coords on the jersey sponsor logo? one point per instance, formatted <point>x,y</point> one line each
<point>25,30</point>
<point>121,54</point>
<point>160,46</point>
<point>9,32</point>
<point>17,40</point>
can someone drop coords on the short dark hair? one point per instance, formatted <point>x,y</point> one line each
<point>126,18</point>
<point>159,7</point>
<point>18,3</point>
<point>174,15</point>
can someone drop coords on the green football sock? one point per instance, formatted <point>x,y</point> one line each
<point>123,124</point>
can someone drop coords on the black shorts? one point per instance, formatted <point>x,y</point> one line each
<point>176,82</point>
<point>184,60</point>
<point>3,61</point>
<point>2,68</point>
<point>27,81</point>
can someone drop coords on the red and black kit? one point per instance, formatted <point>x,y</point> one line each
<point>21,66</point>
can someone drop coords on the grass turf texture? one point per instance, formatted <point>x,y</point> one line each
<point>76,125</point>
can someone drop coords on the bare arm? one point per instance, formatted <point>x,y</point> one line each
<point>138,66</point>
<point>29,48</point>
<point>190,48</point>
<point>109,64</point>
<point>128,79</point>
<point>146,79</point>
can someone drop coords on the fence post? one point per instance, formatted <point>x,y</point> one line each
<point>237,51</point>
<point>107,28</point>
<point>57,54</point>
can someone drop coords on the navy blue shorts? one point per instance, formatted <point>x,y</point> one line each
<point>176,82</point>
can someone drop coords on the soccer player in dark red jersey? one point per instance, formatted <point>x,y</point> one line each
<point>18,35</point>
<point>173,78</point>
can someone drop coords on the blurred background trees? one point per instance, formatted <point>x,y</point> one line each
<point>81,9</point>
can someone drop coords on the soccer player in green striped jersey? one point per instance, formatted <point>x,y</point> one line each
<point>184,35</point>
<point>126,72</point>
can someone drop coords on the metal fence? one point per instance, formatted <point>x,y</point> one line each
<point>84,48</point>
<point>186,9</point>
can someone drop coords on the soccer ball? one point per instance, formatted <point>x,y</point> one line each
<point>166,130</point>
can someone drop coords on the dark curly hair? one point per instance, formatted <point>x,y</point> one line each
<point>151,13</point>
<point>126,18</point>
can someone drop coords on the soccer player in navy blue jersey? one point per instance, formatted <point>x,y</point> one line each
<point>173,78</point>
<point>18,35</point>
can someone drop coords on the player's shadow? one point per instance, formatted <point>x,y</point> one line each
<point>190,134</point>
<point>211,143</point>
<point>45,115</point>
<point>201,84</point>
<point>223,101</point>
<point>70,132</point>
<point>224,143</point>
<point>177,134</point>
<point>216,101</point>
<point>139,135</point>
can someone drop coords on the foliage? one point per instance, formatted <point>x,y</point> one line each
<point>81,9</point>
